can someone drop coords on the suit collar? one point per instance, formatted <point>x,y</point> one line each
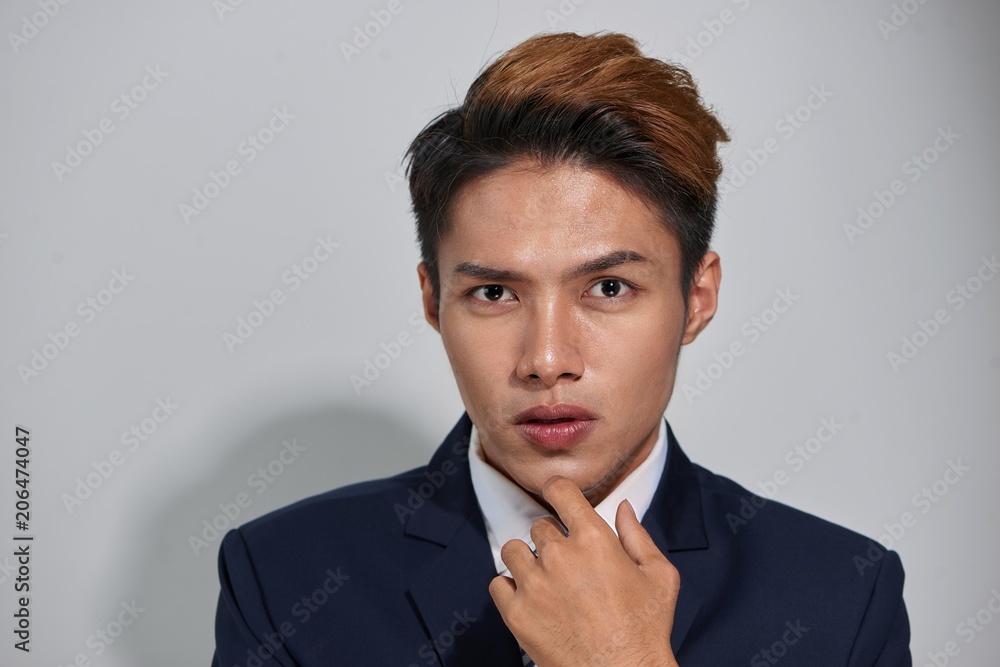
<point>676,523</point>
<point>457,579</point>
<point>452,587</point>
<point>675,519</point>
<point>452,502</point>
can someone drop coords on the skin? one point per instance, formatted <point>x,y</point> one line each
<point>559,286</point>
<point>563,615</point>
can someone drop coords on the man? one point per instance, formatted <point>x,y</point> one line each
<point>564,213</point>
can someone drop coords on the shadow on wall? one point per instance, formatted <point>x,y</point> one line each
<point>173,568</point>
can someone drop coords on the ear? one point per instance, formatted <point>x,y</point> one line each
<point>704,297</point>
<point>427,295</point>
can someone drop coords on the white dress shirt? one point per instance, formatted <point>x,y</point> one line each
<point>509,511</point>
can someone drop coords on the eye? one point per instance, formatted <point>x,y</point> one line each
<point>610,288</point>
<point>490,293</point>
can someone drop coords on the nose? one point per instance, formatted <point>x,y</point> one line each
<point>550,345</point>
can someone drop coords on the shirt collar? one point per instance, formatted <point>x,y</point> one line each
<point>508,510</point>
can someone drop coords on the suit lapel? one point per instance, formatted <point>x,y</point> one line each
<point>450,593</point>
<point>676,523</point>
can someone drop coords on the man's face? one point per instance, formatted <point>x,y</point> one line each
<point>562,316</point>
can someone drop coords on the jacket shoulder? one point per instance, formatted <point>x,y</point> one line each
<point>359,509</point>
<point>787,569</point>
<point>741,509</point>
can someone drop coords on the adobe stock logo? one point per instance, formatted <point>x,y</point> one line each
<point>441,644</point>
<point>713,28</point>
<point>122,107</point>
<point>779,649</point>
<point>898,17</point>
<point>37,21</point>
<point>968,629</point>
<point>216,526</point>
<point>381,18</point>
<point>786,126</point>
<point>104,468</point>
<point>562,13</point>
<point>88,309</point>
<point>927,330</point>
<point>753,329</point>
<point>391,351</point>
<point>248,149</point>
<point>433,481</point>
<point>303,610</point>
<point>924,501</point>
<point>799,455</point>
<point>295,276</point>
<point>103,638</point>
<point>914,167</point>
<point>223,7</point>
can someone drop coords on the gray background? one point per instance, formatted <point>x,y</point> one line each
<point>334,172</point>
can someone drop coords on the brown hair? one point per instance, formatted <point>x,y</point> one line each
<point>594,100</point>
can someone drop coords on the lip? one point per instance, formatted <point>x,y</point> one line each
<point>538,425</point>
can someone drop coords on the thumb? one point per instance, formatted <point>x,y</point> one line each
<point>633,536</point>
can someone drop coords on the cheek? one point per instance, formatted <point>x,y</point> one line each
<point>476,353</point>
<point>638,359</point>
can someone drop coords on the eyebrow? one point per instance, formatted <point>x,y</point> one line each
<point>602,263</point>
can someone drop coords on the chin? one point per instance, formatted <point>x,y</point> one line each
<point>584,480</point>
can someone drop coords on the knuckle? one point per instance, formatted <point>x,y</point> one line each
<point>555,555</point>
<point>539,524</point>
<point>496,587</point>
<point>590,532</point>
<point>670,575</point>
<point>515,617</point>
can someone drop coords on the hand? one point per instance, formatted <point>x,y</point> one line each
<point>590,597</point>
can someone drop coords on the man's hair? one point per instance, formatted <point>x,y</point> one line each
<point>590,100</point>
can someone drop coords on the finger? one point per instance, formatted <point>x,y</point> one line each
<point>634,538</point>
<point>544,531</point>
<point>570,504</point>
<point>517,556</point>
<point>502,590</point>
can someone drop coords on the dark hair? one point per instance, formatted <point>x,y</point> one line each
<point>593,100</point>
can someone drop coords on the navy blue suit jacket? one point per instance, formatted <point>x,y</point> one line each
<point>396,572</point>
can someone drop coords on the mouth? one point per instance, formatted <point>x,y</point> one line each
<point>555,427</point>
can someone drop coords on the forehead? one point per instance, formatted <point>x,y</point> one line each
<point>558,214</point>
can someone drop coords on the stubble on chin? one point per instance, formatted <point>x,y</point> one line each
<point>622,468</point>
<point>594,493</point>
